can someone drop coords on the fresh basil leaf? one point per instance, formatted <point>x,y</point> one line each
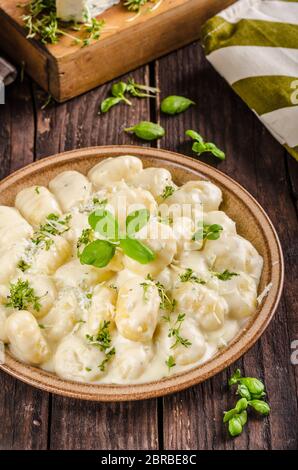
<point>98,253</point>
<point>108,103</point>
<point>118,89</point>
<point>194,135</point>
<point>235,426</point>
<point>260,406</point>
<point>229,414</point>
<point>136,220</point>
<point>136,250</point>
<point>103,222</point>
<point>241,405</point>
<point>175,104</point>
<point>254,385</point>
<point>147,130</point>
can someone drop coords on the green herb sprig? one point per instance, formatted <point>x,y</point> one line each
<point>166,303</point>
<point>251,391</point>
<point>170,362</point>
<point>103,341</point>
<point>99,252</point>
<point>135,5</point>
<point>208,232</point>
<point>199,146</point>
<point>190,276</point>
<point>167,192</point>
<point>174,332</point>
<point>119,91</point>
<point>22,295</point>
<point>226,275</point>
<point>53,226</point>
<point>41,22</point>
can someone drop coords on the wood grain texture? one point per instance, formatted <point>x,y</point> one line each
<point>67,70</point>
<point>257,161</point>
<point>23,410</point>
<point>190,419</point>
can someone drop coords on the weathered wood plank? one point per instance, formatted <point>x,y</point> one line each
<point>24,410</point>
<point>77,424</point>
<point>192,419</point>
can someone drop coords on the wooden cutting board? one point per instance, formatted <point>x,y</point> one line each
<point>128,41</point>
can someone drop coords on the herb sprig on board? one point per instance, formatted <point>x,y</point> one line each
<point>42,23</point>
<point>135,5</point>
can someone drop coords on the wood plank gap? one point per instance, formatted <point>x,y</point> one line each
<point>49,421</point>
<point>34,112</point>
<point>292,179</point>
<point>160,424</point>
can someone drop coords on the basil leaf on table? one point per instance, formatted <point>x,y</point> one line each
<point>108,103</point>
<point>147,130</point>
<point>98,253</point>
<point>103,222</point>
<point>175,104</point>
<point>194,135</point>
<point>260,406</point>
<point>200,146</point>
<point>118,89</point>
<point>136,220</point>
<point>137,250</point>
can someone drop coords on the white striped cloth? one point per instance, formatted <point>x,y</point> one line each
<point>253,44</point>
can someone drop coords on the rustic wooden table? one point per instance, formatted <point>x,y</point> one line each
<point>31,419</point>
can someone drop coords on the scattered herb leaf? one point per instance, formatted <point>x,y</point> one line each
<point>22,295</point>
<point>175,104</point>
<point>190,276</point>
<point>147,130</point>
<point>167,192</point>
<point>199,146</point>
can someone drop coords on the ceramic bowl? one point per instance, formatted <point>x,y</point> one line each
<point>252,223</point>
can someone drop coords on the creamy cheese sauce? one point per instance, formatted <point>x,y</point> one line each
<point>158,318</point>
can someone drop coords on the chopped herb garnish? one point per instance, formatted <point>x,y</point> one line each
<point>170,362</point>
<point>167,192</point>
<point>146,286</point>
<point>166,303</point>
<point>190,276</point>
<point>88,369</point>
<point>53,226</point>
<point>112,286</point>
<point>102,340</point>
<point>37,189</point>
<point>226,275</point>
<point>23,266</point>
<point>135,5</point>
<point>22,296</point>
<point>174,331</point>
<point>208,232</point>
<point>84,239</point>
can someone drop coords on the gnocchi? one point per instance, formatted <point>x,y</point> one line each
<point>164,301</point>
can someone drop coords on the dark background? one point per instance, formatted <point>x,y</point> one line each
<point>31,419</point>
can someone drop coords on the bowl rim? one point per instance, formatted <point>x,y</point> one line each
<point>237,347</point>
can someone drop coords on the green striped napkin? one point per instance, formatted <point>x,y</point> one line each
<point>253,44</point>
